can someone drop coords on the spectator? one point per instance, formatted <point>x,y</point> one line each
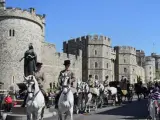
<point>8,103</point>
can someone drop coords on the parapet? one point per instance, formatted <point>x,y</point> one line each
<point>139,51</point>
<point>149,58</point>
<point>30,15</point>
<point>127,49</point>
<point>64,56</point>
<point>113,51</point>
<point>95,39</point>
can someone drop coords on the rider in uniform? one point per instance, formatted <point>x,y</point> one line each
<point>70,74</point>
<point>40,77</point>
<point>91,82</point>
<point>106,82</point>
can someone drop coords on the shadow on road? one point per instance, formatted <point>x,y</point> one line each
<point>134,110</point>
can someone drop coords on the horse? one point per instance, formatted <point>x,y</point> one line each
<point>138,90</point>
<point>112,94</point>
<point>78,97</point>
<point>35,100</point>
<point>101,95</point>
<point>130,92</point>
<point>66,100</point>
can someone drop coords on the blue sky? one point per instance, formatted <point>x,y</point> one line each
<point>127,22</point>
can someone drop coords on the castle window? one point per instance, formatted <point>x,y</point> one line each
<point>96,77</point>
<point>96,64</point>
<point>95,52</point>
<point>125,69</point>
<point>107,65</point>
<point>150,67</point>
<point>11,32</point>
<point>150,78</point>
<point>150,73</point>
<point>124,61</point>
<point>133,70</point>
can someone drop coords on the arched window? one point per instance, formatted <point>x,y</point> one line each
<point>96,77</point>
<point>96,64</point>
<point>107,65</point>
<point>11,32</point>
<point>95,52</point>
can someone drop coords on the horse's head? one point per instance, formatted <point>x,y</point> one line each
<point>78,86</point>
<point>65,83</point>
<point>32,85</point>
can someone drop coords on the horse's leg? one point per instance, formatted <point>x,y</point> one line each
<point>29,116</point>
<point>59,115</point>
<point>71,113</point>
<point>42,113</point>
<point>66,115</point>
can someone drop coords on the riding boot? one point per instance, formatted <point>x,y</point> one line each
<point>56,100</point>
<point>24,102</point>
<point>45,97</point>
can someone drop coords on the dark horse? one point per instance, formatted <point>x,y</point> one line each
<point>140,90</point>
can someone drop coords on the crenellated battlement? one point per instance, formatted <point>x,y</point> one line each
<point>63,56</point>
<point>139,51</point>
<point>113,51</point>
<point>23,14</point>
<point>149,59</point>
<point>96,39</point>
<point>92,39</point>
<point>127,49</point>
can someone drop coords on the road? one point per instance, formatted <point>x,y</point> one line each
<point>137,110</point>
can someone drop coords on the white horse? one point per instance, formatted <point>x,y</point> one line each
<point>35,101</point>
<point>113,92</point>
<point>66,100</point>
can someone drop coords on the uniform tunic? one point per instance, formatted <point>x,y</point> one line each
<point>40,77</point>
<point>91,82</point>
<point>69,74</point>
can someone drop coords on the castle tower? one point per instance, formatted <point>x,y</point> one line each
<point>140,56</point>
<point>97,56</point>
<point>126,63</point>
<point>149,68</point>
<point>18,28</point>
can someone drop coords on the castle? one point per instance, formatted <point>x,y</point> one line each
<point>89,55</point>
<point>99,59</point>
<point>20,27</point>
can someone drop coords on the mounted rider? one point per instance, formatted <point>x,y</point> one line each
<point>106,82</point>
<point>91,82</point>
<point>40,77</point>
<point>70,74</point>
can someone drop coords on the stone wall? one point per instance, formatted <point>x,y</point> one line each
<point>140,71</point>
<point>95,50</point>
<point>53,63</point>
<point>126,63</point>
<point>15,36</point>
<point>20,27</point>
<point>149,68</point>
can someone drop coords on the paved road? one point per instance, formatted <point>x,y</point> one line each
<point>137,110</point>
